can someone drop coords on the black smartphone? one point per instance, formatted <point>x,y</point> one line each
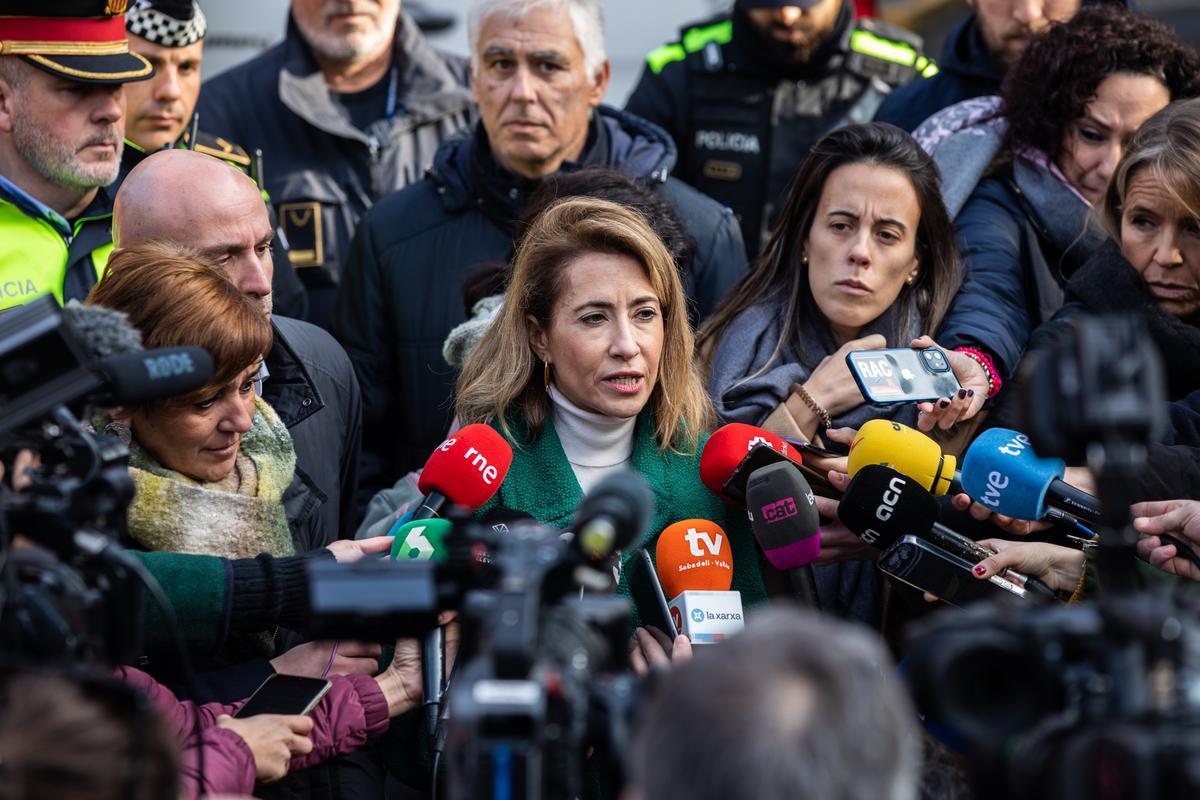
<point>285,694</point>
<point>816,450</point>
<point>648,595</point>
<point>927,567</point>
<point>762,455</point>
<point>902,375</point>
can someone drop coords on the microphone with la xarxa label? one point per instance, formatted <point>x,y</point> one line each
<point>694,562</point>
<point>465,470</point>
<point>1001,472</point>
<point>735,450</point>
<point>786,523</point>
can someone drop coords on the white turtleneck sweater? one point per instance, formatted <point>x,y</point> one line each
<point>595,444</point>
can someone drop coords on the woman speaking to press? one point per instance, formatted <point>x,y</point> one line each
<point>589,369</point>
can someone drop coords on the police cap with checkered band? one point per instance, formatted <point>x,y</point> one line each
<point>167,23</point>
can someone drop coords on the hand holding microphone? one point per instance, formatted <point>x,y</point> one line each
<point>1058,567</point>
<point>1002,472</point>
<point>465,470</point>
<point>1168,529</point>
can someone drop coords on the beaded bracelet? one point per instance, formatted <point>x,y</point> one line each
<point>989,368</point>
<point>823,417</point>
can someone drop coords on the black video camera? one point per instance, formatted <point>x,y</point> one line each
<point>1098,699</point>
<point>539,677</point>
<point>1069,702</point>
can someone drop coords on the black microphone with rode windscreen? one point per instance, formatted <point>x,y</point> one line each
<point>465,470</point>
<point>882,505</point>
<point>785,521</point>
<point>51,356</point>
<point>616,513</point>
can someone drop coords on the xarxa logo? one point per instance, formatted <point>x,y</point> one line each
<point>697,615</point>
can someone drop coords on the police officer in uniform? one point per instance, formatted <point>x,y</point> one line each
<point>746,94</point>
<point>160,113</point>
<point>62,121</point>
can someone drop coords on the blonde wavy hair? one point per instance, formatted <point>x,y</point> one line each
<point>502,379</point>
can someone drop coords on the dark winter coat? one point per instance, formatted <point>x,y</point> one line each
<point>965,69</point>
<point>323,173</point>
<point>1108,284</point>
<point>1022,233</point>
<point>401,288</point>
<point>313,389</point>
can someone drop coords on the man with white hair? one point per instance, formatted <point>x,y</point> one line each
<point>62,121</point>
<point>350,107</point>
<point>539,74</point>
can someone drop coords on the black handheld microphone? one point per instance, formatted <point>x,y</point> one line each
<point>615,514</point>
<point>785,521</point>
<point>881,505</point>
<point>145,375</point>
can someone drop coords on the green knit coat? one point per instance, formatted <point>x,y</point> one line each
<point>541,483</point>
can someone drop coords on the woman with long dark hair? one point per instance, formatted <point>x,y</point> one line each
<point>863,258</point>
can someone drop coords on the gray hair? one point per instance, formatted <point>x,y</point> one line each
<point>796,706</point>
<point>586,18</point>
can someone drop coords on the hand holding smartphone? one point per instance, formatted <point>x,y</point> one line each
<point>285,694</point>
<point>648,597</point>
<point>902,375</point>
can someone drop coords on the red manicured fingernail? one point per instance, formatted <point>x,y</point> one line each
<point>979,569</point>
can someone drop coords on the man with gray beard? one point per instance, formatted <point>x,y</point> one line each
<point>349,108</point>
<point>62,122</point>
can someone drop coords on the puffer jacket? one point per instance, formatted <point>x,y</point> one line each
<point>353,712</point>
<point>401,285</point>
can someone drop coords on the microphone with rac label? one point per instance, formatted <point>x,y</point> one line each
<point>1001,471</point>
<point>695,567</point>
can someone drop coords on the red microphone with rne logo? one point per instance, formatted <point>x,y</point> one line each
<point>465,470</point>
<point>736,450</point>
<point>695,567</point>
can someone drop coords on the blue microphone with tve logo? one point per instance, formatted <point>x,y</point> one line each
<point>1001,471</point>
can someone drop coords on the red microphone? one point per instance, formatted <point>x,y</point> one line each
<point>736,450</point>
<point>695,567</point>
<point>465,470</point>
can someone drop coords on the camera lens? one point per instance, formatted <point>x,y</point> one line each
<point>936,360</point>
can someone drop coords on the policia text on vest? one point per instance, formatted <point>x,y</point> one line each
<point>743,124</point>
